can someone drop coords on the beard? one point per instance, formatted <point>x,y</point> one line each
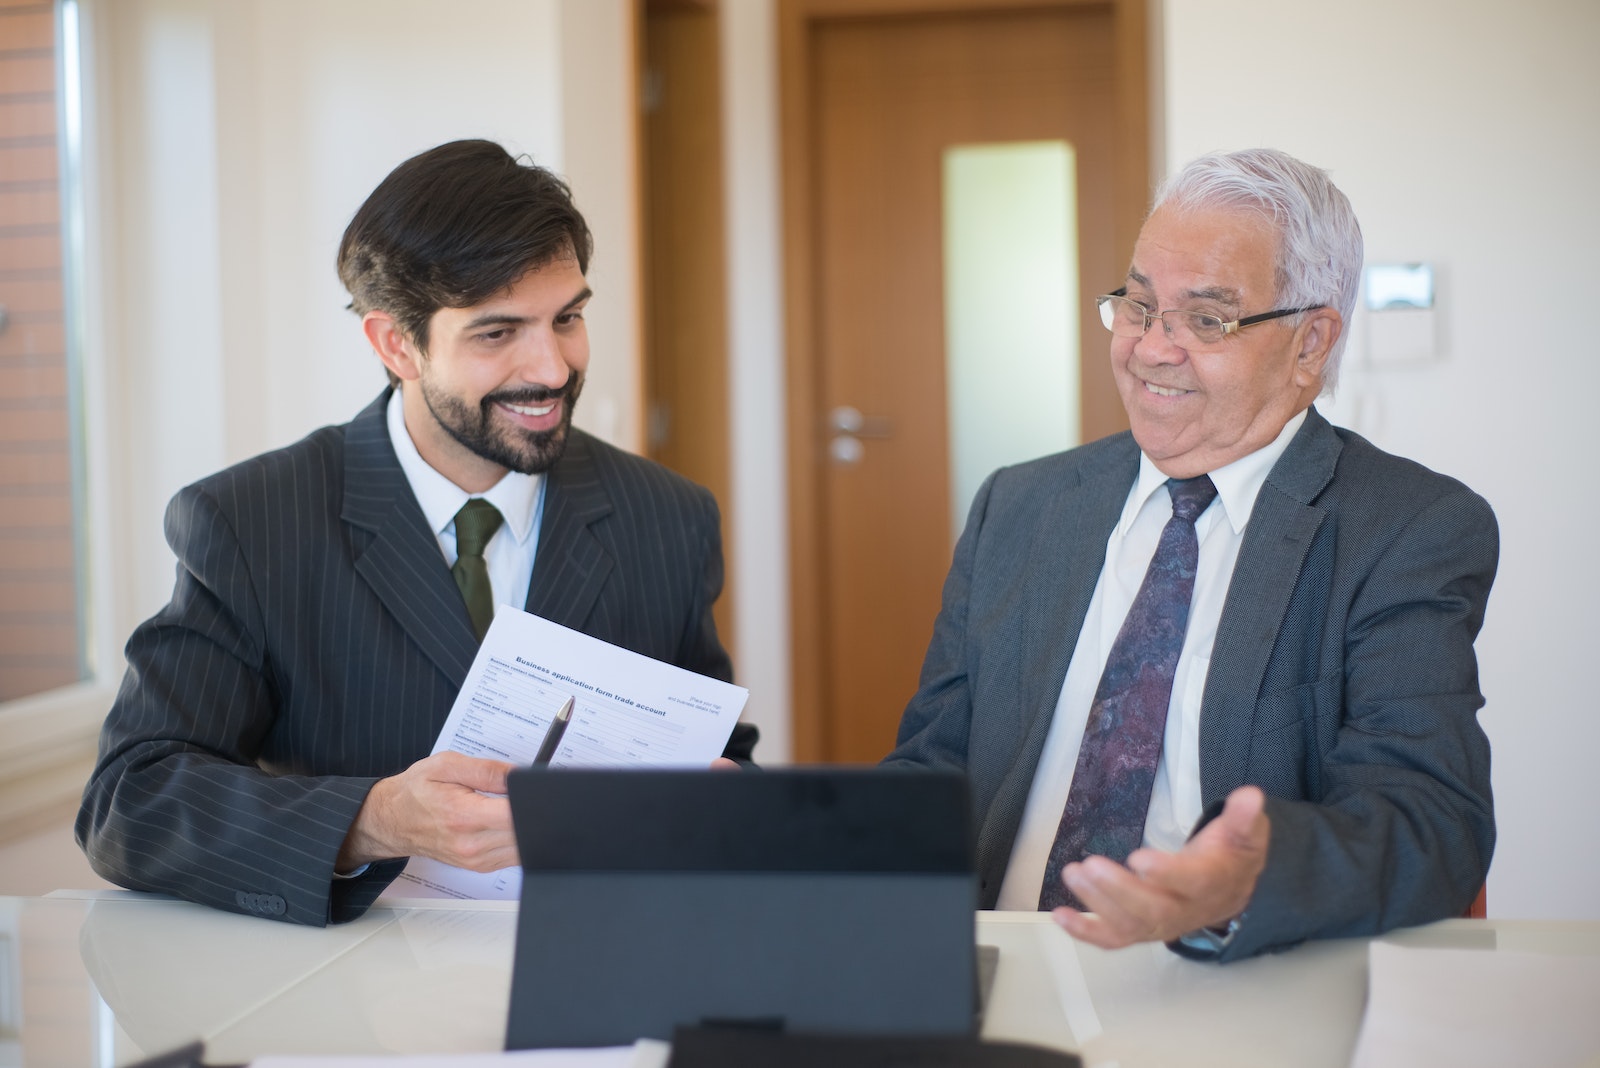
<point>527,452</point>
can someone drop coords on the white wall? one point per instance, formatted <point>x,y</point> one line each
<point>1465,134</point>
<point>759,517</point>
<point>236,140</point>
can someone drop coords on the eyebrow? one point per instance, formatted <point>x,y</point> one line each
<point>478,322</point>
<point>1220,294</point>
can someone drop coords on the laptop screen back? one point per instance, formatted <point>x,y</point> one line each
<point>823,900</point>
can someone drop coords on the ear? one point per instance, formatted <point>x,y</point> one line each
<point>1318,334</point>
<point>392,345</point>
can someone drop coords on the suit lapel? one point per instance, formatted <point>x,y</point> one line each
<point>1271,556</point>
<point>572,565</point>
<point>1066,555</point>
<point>399,558</point>
<point>1068,551</point>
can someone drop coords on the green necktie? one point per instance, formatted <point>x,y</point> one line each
<point>475,525</point>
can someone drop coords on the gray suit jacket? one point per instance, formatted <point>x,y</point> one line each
<point>1343,680</point>
<point>315,642</point>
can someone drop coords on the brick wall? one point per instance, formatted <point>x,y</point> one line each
<point>38,586</point>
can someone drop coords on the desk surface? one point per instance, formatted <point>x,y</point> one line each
<point>103,979</point>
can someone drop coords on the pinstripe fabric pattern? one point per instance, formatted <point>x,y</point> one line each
<point>1342,681</point>
<point>315,641</point>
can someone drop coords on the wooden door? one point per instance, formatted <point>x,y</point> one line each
<point>685,352</point>
<point>884,97</point>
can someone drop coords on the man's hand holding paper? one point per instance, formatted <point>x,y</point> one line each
<point>628,711</point>
<point>447,807</point>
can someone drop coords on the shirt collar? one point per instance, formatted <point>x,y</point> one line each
<point>515,495</point>
<point>1238,483</point>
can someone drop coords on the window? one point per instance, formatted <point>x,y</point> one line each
<point>50,705</point>
<point>40,633</point>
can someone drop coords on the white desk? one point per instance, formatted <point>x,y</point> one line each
<point>103,979</point>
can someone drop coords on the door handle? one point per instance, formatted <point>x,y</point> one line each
<point>847,426</point>
<point>847,420</point>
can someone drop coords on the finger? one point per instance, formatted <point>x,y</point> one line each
<point>1176,873</point>
<point>491,853</point>
<point>466,818</point>
<point>1243,816</point>
<point>1124,902</point>
<point>1133,908</point>
<point>724,764</point>
<point>475,773</point>
<point>1090,928</point>
<point>1152,865</point>
<point>492,814</point>
<point>1097,880</point>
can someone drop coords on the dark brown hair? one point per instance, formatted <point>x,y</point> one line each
<point>452,227</point>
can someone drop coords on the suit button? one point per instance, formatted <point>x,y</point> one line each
<point>261,904</point>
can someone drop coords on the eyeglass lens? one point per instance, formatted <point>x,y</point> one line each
<point>1129,318</point>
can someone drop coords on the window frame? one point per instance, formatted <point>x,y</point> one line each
<point>48,740</point>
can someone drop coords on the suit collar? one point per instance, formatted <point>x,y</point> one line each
<point>514,495</point>
<point>400,558</point>
<point>1268,571</point>
<point>396,553</point>
<point>1308,463</point>
<point>1068,552</point>
<point>1064,559</point>
<point>572,564</point>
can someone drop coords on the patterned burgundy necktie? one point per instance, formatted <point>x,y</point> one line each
<point>1110,793</point>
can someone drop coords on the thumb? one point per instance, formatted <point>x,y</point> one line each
<point>1243,819</point>
<point>475,773</point>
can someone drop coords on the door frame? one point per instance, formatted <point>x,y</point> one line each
<point>683,347</point>
<point>797,21</point>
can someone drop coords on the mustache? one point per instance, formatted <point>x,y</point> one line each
<point>536,394</point>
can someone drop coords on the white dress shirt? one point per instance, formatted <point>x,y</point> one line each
<point>1175,803</point>
<point>520,499</point>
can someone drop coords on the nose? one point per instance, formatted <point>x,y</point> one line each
<point>542,362</point>
<point>1156,344</point>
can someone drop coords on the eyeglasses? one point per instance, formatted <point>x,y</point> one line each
<point>1187,329</point>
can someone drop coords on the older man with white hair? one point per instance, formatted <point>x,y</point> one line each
<point>1213,679</point>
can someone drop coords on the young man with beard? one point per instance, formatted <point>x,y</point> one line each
<point>268,751</point>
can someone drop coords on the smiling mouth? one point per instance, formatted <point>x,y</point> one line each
<point>1163,391</point>
<point>534,410</point>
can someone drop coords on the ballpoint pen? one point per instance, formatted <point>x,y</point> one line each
<point>552,737</point>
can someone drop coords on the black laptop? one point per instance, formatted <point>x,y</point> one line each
<point>819,900</point>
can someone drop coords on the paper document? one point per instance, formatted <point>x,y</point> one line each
<point>628,711</point>
<point>645,1053</point>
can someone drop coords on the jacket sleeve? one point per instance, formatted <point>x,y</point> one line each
<point>1399,827</point>
<point>937,724</point>
<point>177,803</point>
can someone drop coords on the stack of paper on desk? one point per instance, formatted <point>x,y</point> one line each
<point>628,711</point>
<point>1466,1007</point>
<point>643,1054</point>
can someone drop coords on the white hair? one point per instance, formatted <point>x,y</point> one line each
<point>1319,240</point>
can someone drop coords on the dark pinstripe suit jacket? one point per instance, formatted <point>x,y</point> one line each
<point>315,642</point>
<point>1342,682</point>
